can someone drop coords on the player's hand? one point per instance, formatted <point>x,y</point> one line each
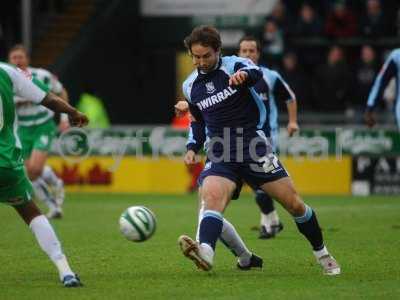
<point>238,78</point>
<point>78,119</point>
<point>190,158</point>
<point>63,125</point>
<point>292,127</point>
<point>181,107</point>
<point>370,118</point>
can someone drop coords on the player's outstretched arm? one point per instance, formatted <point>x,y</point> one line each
<point>56,104</point>
<point>64,95</point>
<point>245,73</point>
<point>197,136</point>
<point>292,126</point>
<point>64,121</point>
<point>283,92</point>
<point>389,70</point>
<point>238,78</point>
<point>190,157</point>
<point>195,142</point>
<point>248,77</point>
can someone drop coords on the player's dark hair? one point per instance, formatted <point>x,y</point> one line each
<point>18,47</point>
<point>250,38</point>
<point>205,35</point>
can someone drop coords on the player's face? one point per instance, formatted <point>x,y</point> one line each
<point>205,58</point>
<point>248,49</point>
<point>19,58</point>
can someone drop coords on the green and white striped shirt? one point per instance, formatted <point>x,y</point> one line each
<point>13,83</point>
<point>30,113</point>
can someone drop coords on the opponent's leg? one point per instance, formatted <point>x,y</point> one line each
<point>270,224</point>
<point>48,241</point>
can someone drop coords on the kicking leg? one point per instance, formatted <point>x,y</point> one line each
<point>232,240</point>
<point>216,193</point>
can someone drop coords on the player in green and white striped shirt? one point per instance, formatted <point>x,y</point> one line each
<point>15,187</point>
<point>37,129</point>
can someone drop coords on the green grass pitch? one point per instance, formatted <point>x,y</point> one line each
<point>362,233</point>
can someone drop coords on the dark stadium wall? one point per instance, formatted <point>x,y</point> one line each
<point>124,63</point>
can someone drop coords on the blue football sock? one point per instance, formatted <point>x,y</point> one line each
<point>210,227</point>
<point>309,227</point>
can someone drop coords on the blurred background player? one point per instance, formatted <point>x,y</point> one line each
<point>15,187</point>
<point>37,129</point>
<point>272,89</point>
<point>389,70</point>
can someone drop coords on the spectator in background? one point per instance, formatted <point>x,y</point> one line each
<point>398,22</point>
<point>282,18</point>
<point>10,24</point>
<point>373,23</point>
<point>332,83</point>
<point>341,22</point>
<point>50,6</point>
<point>297,80</point>
<point>308,24</point>
<point>366,71</point>
<point>3,48</point>
<point>272,44</point>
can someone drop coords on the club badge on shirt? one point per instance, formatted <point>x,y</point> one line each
<point>210,87</point>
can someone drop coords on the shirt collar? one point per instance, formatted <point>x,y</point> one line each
<point>217,66</point>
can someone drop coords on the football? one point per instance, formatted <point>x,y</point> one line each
<point>137,223</point>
